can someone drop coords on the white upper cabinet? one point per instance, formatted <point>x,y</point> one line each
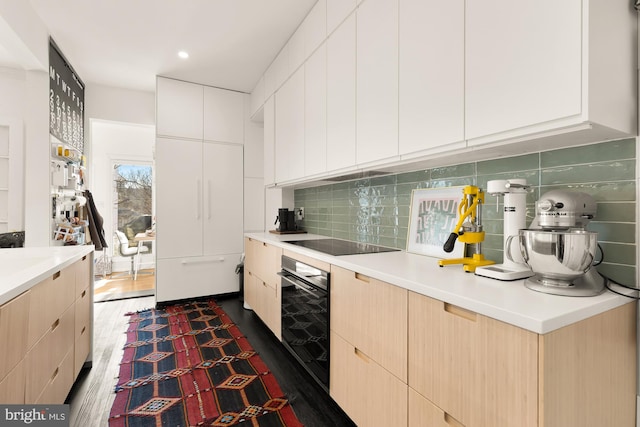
<point>337,11</point>
<point>289,141</point>
<point>377,80</point>
<point>179,108</point>
<point>341,96</point>
<point>315,27</point>
<point>431,80</point>
<point>296,49</point>
<point>223,115</point>
<point>315,113</point>
<point>269,141</point>
<point>281,66</point>
<point>257,97</point>
<point>535,67</point>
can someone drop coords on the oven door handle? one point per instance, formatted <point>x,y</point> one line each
<point>307,288</point>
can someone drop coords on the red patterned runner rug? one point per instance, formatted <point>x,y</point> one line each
<point>189,365</point>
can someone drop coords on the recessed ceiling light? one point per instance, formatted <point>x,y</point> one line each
<point>182,54</point>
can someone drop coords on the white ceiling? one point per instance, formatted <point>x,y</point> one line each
<point>126,43</point>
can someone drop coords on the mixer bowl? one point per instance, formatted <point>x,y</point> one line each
<point>558,255</point>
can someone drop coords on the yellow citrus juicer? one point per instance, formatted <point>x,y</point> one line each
<point>469,231</point>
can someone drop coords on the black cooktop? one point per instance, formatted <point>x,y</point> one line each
<point>341,247</point>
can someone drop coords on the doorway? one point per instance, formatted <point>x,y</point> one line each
<point>124,191</point>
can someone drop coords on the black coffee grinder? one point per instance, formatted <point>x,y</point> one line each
<point>287,220</point>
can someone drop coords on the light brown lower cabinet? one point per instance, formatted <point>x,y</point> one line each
<point>262,289</point>
<point>423,413</point>
<point>55,319</point>
<point>368,393</point>
<point>483,372</point>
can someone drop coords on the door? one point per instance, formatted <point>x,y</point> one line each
<point>222,185</point>
<point>179,204</point>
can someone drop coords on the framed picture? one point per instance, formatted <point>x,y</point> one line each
<point>433,217</point>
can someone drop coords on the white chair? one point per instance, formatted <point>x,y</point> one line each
<point>133,252</point>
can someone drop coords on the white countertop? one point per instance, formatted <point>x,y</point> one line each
<point>21,268</point>
<point>510,302</point>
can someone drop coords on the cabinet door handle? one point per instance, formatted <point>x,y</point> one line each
<point>460,312</point>
<point>84,257</point>
<point>198,198</point>
<point>84,328</point>
<point>56,275</point>
<point>452,421</point>
<point>82,295</point>
<point>201,261</point>
<point>55,373</point>
<point>363,278</point>
<point>55,324</point>
<point>208,199</point>
<point>361,355</point>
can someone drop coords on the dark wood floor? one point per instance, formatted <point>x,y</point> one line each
<point>92,395</point>
<point>311,403</point>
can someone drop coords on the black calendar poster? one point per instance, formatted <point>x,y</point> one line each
<point>66,100</point>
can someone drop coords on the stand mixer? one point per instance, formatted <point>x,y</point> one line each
<point>558,249</point>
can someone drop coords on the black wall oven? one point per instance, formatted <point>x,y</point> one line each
<point>305,316</point>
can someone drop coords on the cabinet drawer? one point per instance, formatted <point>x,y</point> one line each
<point>424,413</point>
<point>49,299</point>
<point>82,330</point>
<point>479,370</point>
<point>373,316</point>
<point>83,274</point>
<point>13,329</point>
<point>180,278</point>
<point>12,385</point>
<point>60,382</point>
<point>367,392</point>
<point>45,357</point>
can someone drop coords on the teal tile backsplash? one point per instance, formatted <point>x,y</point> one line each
<point>376,210</point>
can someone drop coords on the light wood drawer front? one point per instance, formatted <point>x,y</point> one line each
<point>49,299</point>
<point>82,331</point>
<point>14,316</point>
<point>83,313</point>
<point>12,386</point>
<point>480,371</point>
<point>367,392</point>
<point>371,315</point>
<point>44,358</point>
<point>263,260</point>
<point>424,413</point>
<point>59,384</point>
<point>83,274</point>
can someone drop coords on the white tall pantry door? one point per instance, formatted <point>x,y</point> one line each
<point>199,190</point>
<point>223,199</point>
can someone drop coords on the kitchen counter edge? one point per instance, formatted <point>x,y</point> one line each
<point>510,302</point>
<point>50,259</point>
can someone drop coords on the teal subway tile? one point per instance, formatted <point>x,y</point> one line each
<point>613,231</point>
<point>340,234</point>
<point>494,255</point>
<point>605,151</point>
<point>341,193</point>
<point>618,170</point>
<point>509,164</point>
<point>623,274</point>
<point>621,253</point>
<point>619,212</point>
<point>414,177</point>
<point>383,180</point>
<point>455,171</point>
<point>453,182</point>
<point>601,192</point>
